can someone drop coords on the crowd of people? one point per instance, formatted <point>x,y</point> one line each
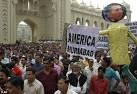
<point>42,68</point>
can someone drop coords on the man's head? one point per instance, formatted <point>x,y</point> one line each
<point>63,83</point>
<point>101,71</point>
<point>98,55</point>
<point>23,60</point>
<point>15,85</point>
<point>38,58</point>
<point>14,59</point>
<point>106,62</point>
<point>124,78</point>
<point>90,63</point>
<point>4,74</point>
<point>76,68</point>
<point>56,60</point>
<point>48,63</point>
<point>2,53</point>
<point>30,74</point>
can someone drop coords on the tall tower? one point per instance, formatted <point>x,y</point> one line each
<point>3,20</point>
<point>128,15</point>
<point>7,21</point>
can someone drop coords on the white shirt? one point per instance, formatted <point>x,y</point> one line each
<point>5,61</point>
<point>96,65</point>
<point>23,69</point>
<point>78,89</point>
<point>68,92</point>
<point>35,88</point>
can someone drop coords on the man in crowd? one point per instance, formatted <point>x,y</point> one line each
<point>58,66</point>
<point>15,85</point>
<point>48,76</point>
<point>78,81</point>
<point>22,65</point>
<point>98,83</point>
<point>66,63</point>
<point>110,74</point>
<point>63,86</point>
<point>3,79</point>
<point>38,62</point>
<point>97,62</point>
<point>88,71</point>
<point>31,84</point>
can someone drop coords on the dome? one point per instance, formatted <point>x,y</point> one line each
<point>91,8</point>
<point>98,10</point>
<point>74,3</point>
<point>83,6</point>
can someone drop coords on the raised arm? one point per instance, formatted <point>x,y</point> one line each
<point>132,36</point>
<point>103,32</point>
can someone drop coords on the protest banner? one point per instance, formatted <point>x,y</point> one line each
<point>81,40</point>
<point>132,26</point>
<point>102,42</point>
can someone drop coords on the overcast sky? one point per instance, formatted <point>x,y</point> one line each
<point>102,3</point>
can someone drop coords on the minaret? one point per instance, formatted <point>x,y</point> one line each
<point>128,14</point>
<point>90,3</point>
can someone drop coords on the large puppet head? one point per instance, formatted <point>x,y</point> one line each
<point>114,12</point>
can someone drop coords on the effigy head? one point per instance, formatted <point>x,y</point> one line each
<point>114,12</point>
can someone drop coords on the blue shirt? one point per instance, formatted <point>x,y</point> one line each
<point>37,67</point>
<point>132,81</point>
<point>109,74</point>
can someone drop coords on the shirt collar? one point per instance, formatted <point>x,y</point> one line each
<point>31,84</point>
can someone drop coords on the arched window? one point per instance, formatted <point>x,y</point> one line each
<point>102,26</point>
<point>95,24</point>
<point>87,23</point>
<point>36,5</point>
<point>107,25</point>
<point>28,5</point>
<point>78,21</point>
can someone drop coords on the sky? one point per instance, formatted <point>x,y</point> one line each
<point>102,3</point>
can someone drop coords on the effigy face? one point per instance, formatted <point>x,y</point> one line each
<point>114,12</point>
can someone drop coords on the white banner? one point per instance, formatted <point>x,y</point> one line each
<point>81,40</point>
<point>102,42</point>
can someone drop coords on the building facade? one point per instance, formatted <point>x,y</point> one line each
<point>47,17</point>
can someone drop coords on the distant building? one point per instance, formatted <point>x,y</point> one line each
<point>46,18</point>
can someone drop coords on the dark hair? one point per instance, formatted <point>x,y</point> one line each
<point>17,82</point>
<point>49,59</point>
<point>123,76</point>
<point>14,58</point>
<point>4,71</point>
<point>24,57</point>
<point>2,52</point>
<point>64,78</point>
<point>90,60</point>
<point>31,69</point>
<point>96,53</point>
<point>39,54</point>
<point>56,57</point>
<point>107,60</point>
<point>102,69</point>
<point>108,8</point>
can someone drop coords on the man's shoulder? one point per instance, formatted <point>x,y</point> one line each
<point>38,82</point>
<point>40,72</point>
<point>57,92</point>
<point>71,92</point>
<point>25,81</point>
